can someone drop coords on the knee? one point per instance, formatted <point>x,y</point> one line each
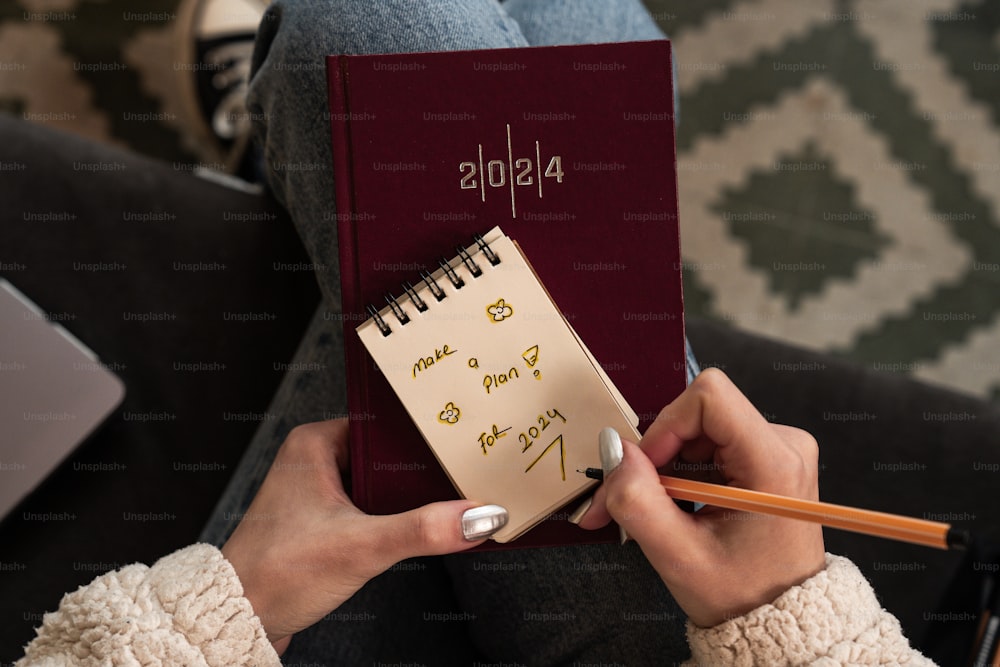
<point>309,29</point>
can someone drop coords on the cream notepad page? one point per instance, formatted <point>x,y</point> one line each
<point>505,394</point>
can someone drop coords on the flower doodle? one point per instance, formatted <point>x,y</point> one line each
<point>499,311</point>
<point>450,414</point>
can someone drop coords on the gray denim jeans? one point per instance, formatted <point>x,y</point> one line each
<point>557,606</point>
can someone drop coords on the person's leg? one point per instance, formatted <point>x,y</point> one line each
<point>288,98</point>
<point>552,22</point>
<point>593,604</point>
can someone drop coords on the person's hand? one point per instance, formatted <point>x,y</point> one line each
<point>303,548</point>
<point>718,563</point>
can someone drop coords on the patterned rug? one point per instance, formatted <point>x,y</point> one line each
<point>839,161</point>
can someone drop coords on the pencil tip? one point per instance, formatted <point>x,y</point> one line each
<point>959,539</point>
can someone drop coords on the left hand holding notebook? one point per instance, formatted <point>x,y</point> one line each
<point>718,563</point>
<point>504,392</point>
<point>303,548</point>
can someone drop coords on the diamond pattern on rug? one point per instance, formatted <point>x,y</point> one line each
<point>921,253</point>
<point>818,234</point>
<point>969,39</point>
<point>31,52</point>
<point>869,85</point>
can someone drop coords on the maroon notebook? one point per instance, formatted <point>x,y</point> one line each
<point>569,149</point>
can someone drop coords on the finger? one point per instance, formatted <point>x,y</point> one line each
<point>637,501</point>
<point>596,515</point>
<point>659,451</point>
<point>329,437</point>
<point>661,445</point>
<point>713,407</point>
<point>434,529</point>
<point>800,469</point>
<point>700,450</point>
<point>335,432</point>
<point>593,513</point>
<point>318,447</point>
<point>696,461</point>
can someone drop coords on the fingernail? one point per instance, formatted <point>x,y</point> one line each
<point>578,513</point>
<point>481,522</point>
<point>610,448</point>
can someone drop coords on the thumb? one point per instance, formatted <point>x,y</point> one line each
<point>436,529</point>
<point>637,501</point>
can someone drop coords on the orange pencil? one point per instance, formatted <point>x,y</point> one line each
<point>869,522</point>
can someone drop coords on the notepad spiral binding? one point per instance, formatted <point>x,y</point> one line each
<point>432,285</point>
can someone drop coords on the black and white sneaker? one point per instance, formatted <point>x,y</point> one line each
<point>215,41</point>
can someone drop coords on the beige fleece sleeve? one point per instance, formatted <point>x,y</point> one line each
<point>832,618</point>
<point>187,609</point>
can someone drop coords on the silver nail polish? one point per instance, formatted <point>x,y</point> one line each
<point>481,522</point>
<point>578,513</point>
<point>610,449</point>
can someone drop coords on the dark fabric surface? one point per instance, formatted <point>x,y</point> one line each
<point>174,442</point>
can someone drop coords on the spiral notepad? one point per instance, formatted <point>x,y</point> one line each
<point>502,389</point>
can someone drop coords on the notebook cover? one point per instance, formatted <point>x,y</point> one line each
<point>410,130</point>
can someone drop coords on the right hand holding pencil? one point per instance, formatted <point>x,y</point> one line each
<point>717,563</point>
